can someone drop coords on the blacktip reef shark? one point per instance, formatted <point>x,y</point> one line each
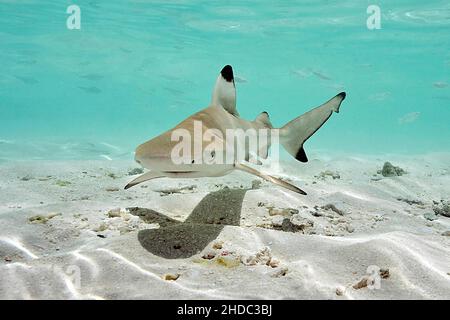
<point>221,115</point>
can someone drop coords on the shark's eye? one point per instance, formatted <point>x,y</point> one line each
<point>213,154</point>
<point>193,161</point>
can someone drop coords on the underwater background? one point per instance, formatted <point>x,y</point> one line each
<point>137,68</point>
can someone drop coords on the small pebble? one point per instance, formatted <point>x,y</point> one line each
<point>281,272</point>
<point>361,283</point>
<point>209,255</point>
<point>218,245</point>
<point>171,276</point>
<point>114,213</point>
<point>340,291</point>
<point>384,273</point>
<point>282,212</point>
<point>274,263</point>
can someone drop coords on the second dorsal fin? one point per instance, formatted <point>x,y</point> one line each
<point>263,118</point>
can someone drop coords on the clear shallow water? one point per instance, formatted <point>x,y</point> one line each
<point>137,68</point>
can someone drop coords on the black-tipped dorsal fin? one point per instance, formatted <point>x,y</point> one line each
<point>224,94</point>
<point>263,118</point>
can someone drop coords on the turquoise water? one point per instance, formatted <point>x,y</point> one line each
<point>137,68</point>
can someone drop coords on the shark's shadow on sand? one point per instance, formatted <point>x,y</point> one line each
<point>178,240</point>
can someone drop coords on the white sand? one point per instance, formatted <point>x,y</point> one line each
<point>65,258</point>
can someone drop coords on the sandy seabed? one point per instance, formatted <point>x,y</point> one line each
<point>68,230</point>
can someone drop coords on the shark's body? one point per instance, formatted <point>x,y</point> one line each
<point>220,117</point>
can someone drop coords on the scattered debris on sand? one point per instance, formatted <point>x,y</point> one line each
<point>171,276</point>
<point>227,260</point>
<point>298,224</point>
<point>442,208</point>
<point>26,178</point>
<point>364,282</point>
<point>446,233</point>
<point>169,191</point>
<point>223,258</point>
<point>261,204</point>
<point>112,189</point>
<point>218,245</point>
<point>391,171</point>
<point>120,221</point>
<point>114,213</point>
<point>277,221</point>
<point>280,272</point>
<point>333,208</point>
<point>411,202</point>
<point>340,291</point>
<point>368,280</point>
<point>282,211</point>
<point>42,219</point>
<point>263,256</point>
<point>135,171</point>
<point>63,183</point>
<point>328,173</point>
<point>230,258</point>
<point>295,223</point>
<point>256,184</point>
<point>384,273</point>
<point>209,255</point>
<point>349,228</point>
<point>430,216</point>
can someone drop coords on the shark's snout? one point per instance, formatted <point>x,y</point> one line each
<point>145,157</point>
<point>139,154</point>
<point>155,156</point>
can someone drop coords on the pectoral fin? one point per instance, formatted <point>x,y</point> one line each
<point>269,178</point>
<point>144,177</point>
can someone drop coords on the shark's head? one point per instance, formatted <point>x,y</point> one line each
<point>156,154</point>
<point>177,152</point>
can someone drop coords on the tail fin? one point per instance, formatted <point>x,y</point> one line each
<point>294,134</point>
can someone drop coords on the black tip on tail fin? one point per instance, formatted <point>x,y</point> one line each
<point>227,73</point>
<point>301,155</point>
<point>294,134</point>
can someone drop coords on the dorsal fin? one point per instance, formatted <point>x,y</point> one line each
<point>224,94</point>
<point>263,118</point>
